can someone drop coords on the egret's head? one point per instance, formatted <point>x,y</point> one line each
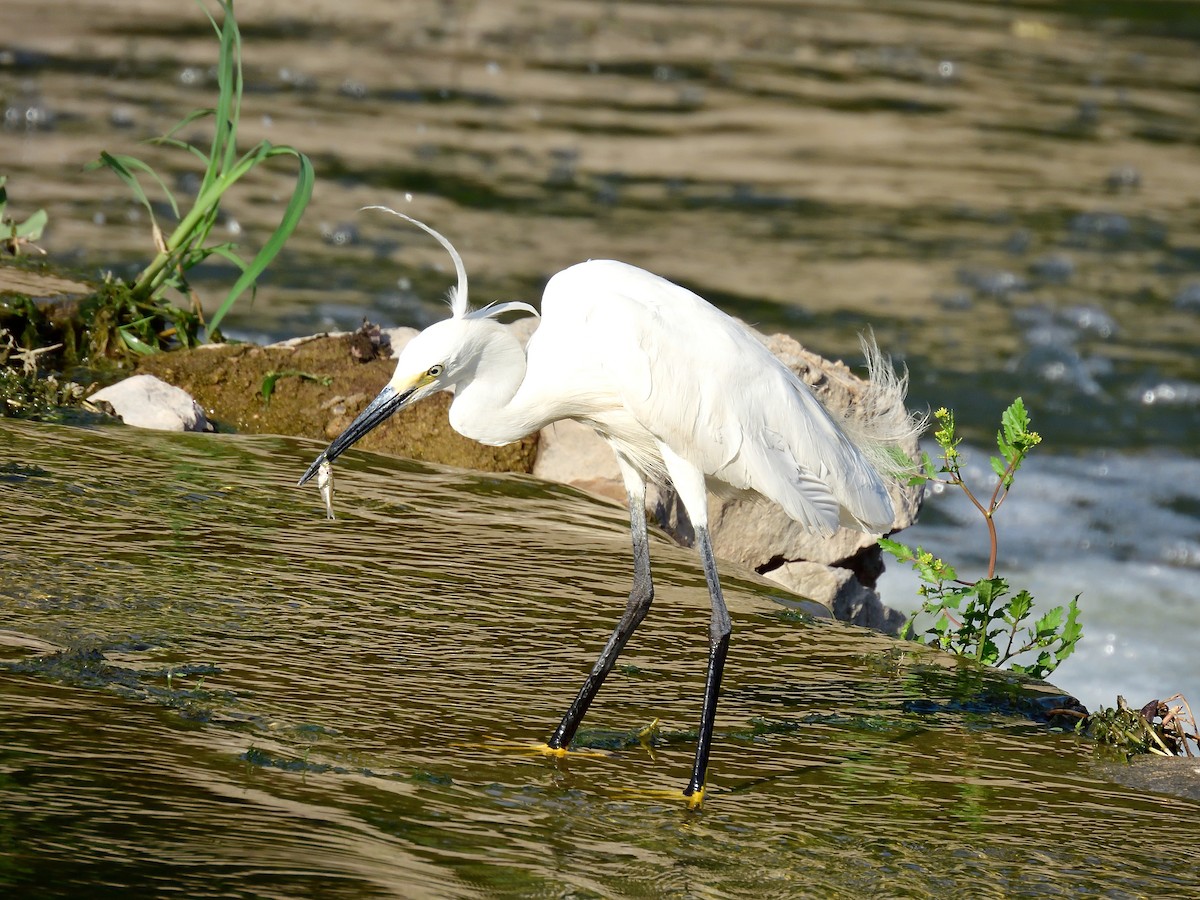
<point>432,361</point>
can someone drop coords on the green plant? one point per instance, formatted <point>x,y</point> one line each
<point>188,244</point>
<point>13,234</point>
<point>1156,728</point>
<point>23,394</point>
<point>982,619</point>
<point>267,388</point>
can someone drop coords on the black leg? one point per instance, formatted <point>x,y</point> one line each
<point>635,610</point>
<point>718,646</point>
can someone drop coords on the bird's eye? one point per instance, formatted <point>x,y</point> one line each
<point>434,371</point>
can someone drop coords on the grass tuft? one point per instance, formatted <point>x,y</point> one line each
<point>189,243</point>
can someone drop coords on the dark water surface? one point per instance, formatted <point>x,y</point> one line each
<point>207,689</point>
<point>1009,193</point>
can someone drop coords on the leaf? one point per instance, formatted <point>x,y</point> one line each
<point>999,466</point>
<point>31,229</point>
<point>1015,422</point>
<point>194,116</point>
<point>229,97</point>
<point>1018,608</point>
<point>225,251</point>
<point>902,552</point>
<point>953,599</point>
<point>927,467</point>
<point>1047,625</point>
<point>123,166</point>
<point>267,388</point>
<point>134,343</point>
<point>988,653</point>
<point>181,145</point>
<point>989,590</point>
<point>1071,632</point>
<point>1015,439</point>
<point>291,218</point>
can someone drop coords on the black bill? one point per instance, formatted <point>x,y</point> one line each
<point>388,401</point>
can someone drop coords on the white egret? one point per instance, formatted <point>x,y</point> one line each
<point>683,393</point>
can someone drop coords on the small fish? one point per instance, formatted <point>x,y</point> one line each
<point>325,483</point>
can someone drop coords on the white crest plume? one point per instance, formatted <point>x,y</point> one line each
<point>459,308</point>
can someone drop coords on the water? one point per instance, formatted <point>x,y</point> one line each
<point>208,688</point>
<point>1007,194</point>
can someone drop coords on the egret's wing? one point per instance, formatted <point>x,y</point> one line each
<point>704,386</point>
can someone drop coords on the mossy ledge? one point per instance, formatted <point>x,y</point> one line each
<point>310,387</point>
<point>228,380</point>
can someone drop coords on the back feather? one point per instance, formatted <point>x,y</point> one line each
<point>880,423</point>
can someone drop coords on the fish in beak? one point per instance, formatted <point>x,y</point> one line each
<point>382,407</point>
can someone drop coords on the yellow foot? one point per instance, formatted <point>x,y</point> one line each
<point>563,752</point>
<point>536,748</point>
<point>693,801</point>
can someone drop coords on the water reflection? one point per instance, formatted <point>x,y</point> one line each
<point>284,705</point>
<point>255,699</point>
<point>941,173</point>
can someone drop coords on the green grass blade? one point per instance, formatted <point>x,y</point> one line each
<point>134,343</point>
<point>183,123</point>
<point>225,251</point>
<point>238,84</point>
<point>220,113</point>
<point>229,82</point>
<point>226,112</point>
<point>291,218</point>
<point>123,166</point>
<point>211,21</point>
<point>181,145</point>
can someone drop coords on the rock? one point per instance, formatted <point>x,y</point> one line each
<point>1176,775</point>
<point>572,453</point>
<point>148,402</point>
<point>397,338</point>
<point>840,590</point>
<point>41,285</point>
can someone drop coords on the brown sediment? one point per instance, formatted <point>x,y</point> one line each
<point>227,380</point>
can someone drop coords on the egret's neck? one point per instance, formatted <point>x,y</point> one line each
<point>484,408</point>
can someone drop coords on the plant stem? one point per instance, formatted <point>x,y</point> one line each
<point>986,512</point>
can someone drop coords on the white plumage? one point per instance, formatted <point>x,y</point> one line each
<point>667,368</point>
<point>681,391</point>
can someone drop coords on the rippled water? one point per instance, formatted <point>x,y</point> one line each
<point>207,688</point>
<point>1006,192</point>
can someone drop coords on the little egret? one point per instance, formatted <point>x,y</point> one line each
<point>683,394</point>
